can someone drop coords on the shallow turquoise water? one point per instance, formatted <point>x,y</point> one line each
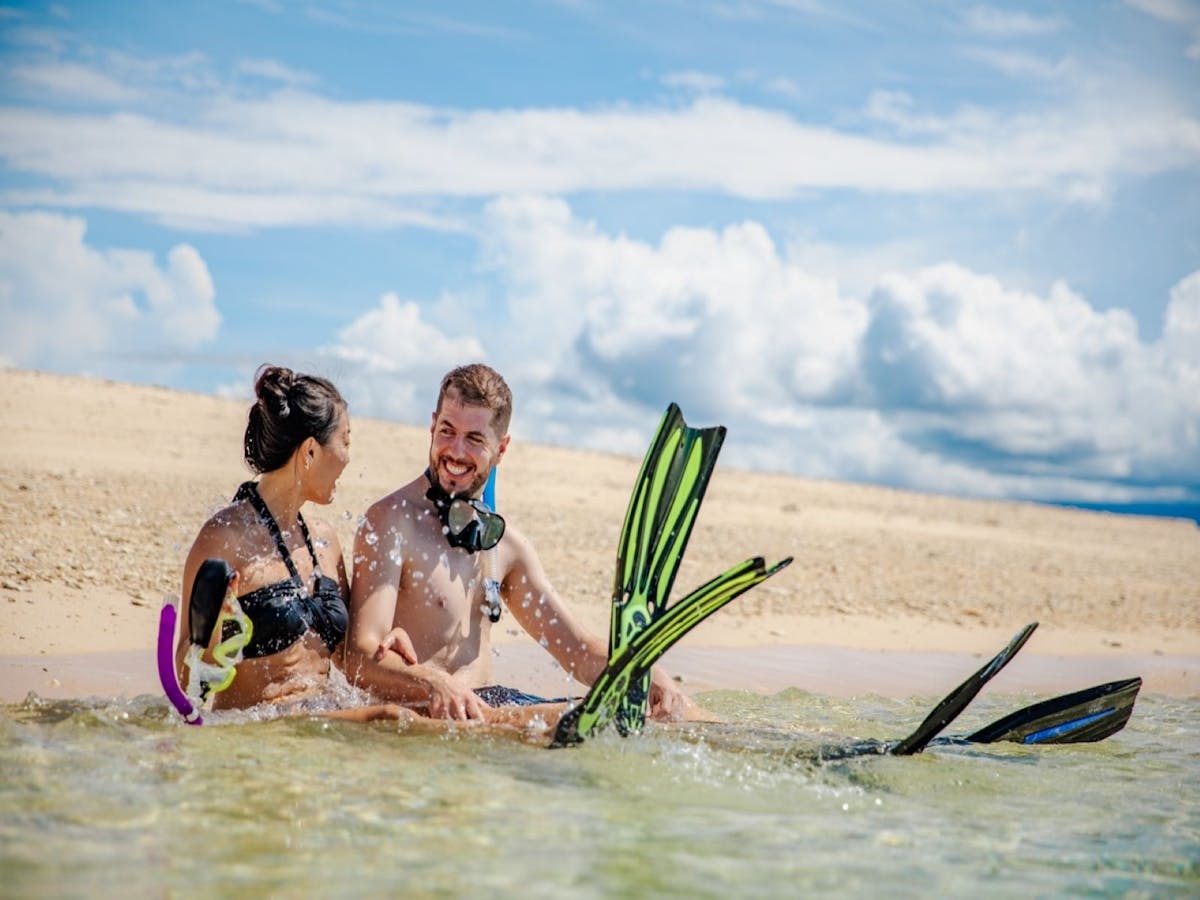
<point>103,798</point>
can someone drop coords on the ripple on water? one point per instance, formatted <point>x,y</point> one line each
<point>292,805</point>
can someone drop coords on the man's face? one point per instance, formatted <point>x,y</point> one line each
<point>463,447</point>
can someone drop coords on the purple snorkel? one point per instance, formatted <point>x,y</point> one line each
<point>166,666</point>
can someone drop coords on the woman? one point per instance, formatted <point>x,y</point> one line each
<point>290,572</point>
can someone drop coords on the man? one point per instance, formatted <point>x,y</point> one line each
<point>418,628</point>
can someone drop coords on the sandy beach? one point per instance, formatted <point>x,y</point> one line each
<point>104,485</point>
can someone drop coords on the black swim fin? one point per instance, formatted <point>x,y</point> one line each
<point>1091,714</point>
<point>658,522</point>
<point>943,714</point>
<point>956,701</point>
<point>208,594</point>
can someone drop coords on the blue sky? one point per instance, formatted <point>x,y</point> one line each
<point>945,246</point>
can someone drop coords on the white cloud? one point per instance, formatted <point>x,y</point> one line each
<point>939,379</point>
<point>1175,12</point>
<point>1016,64</point>
<point>73,81</point>
<point>389,360</point>
<point>273,70</point>
<point>297,158</point>
<point>64,300</point>
<point>699,82</point>
<point>993,22</point>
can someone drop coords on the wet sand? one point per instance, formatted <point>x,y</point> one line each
<point>103,485</point>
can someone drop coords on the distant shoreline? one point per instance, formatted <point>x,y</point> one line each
<point>1184,511</point>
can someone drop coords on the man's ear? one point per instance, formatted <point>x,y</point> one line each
<point>432,421</point>
<point>503,446</point>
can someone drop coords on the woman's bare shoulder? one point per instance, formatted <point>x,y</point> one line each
<point>226,533</point>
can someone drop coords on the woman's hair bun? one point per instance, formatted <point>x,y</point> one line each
<point>273,385</point>
<point>290,407</point>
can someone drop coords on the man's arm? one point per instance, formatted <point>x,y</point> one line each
<point>537,607</point>
<point>373,598</point>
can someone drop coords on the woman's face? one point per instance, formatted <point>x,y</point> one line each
<point>329,461</point>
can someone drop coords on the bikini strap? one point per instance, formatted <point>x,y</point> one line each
<point>249,491</point>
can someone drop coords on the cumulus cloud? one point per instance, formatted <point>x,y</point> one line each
<point>1031,385</point>
<point>64,300</point>
<point>936,379</point>
<point>390,359</point>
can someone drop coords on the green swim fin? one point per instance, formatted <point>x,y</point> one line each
<point>610,693</point>
<point>658,522</point>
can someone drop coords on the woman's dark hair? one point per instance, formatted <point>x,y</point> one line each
<point>290,408</point>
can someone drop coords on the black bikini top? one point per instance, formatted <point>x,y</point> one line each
<point>282,612</point>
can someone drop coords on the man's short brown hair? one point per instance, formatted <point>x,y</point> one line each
<point>480,385</point>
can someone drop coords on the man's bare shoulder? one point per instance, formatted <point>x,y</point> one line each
<point>517,549</point>
<point>400,505</point>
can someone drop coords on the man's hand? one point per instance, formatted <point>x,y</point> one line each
<point>397,641</point>
<point>668,703</point>
<point>448,699</point>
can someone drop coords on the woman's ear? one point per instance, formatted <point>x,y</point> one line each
<point>307,451</point>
